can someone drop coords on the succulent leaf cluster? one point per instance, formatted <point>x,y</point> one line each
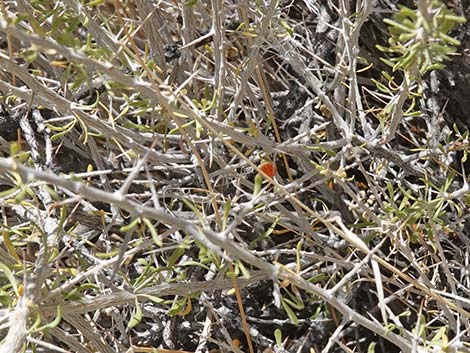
<point>419,39</point>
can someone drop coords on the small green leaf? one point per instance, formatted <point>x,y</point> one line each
<point>243,270</point>
<point>95,3</point>
<point>449,39</point>
<point>136,317</point>
<point>130,226</point>
<point>290,313</point>
<point>5,193</point>
<point>177,307</point>
<point>21,195</point>
<point>153,232</point>
<point>52,324</point>
<point>398,25</point>
<point>278,337</point>
<point>227,207</point>
<point>11,278</point>
<point>258,181</point>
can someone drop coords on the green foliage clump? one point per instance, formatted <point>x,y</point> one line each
<point>419,39</point>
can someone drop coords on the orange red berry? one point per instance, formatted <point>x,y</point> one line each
<point>268,168</point>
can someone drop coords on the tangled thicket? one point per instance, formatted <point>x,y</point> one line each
<point>228,176</point>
